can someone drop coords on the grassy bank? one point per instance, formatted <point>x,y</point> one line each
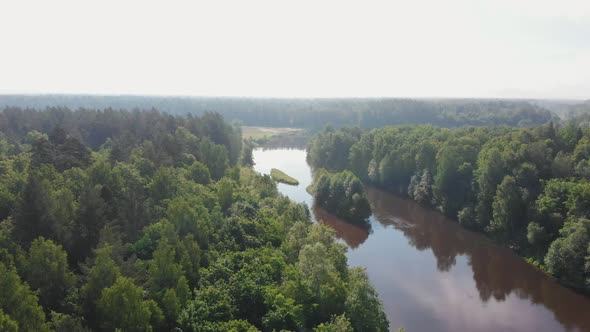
<point>261,132</point>
<point>280,176</point>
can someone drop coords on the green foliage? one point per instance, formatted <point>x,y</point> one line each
<point>211,304</point>
<point>272,112</point>
<point>582,150</point>
<point>330,149</point>
<point>490,173</point>
<point>363,305</point>
<point>554,197</point>
<point>34,216</point>
<point>225,192</point>
<point>569,136</point>
<point>102,275</point>
<point>19,303</point>
<point>46,269</point>
<point>157,229</point>
<point>164,185</point>
<point>454,172</point>
<point>91,218</point>
<point>171,304</point>
<point>508,209</point>
<point>7,324</point>
<point>122,306</point>
<point>234,326</point>
<point>360,156</point>
<point>285,314</point>
<point>467,217</point>
<point>163,272</point>
<point>567,255</point>
<point>526,187</point>
<point>67,323</point>
<point>215,157</point>
<point>246,159</point>
<point>420,188</point>
<point>337,324</point>
<point>343,194</point>
<point>563,165</point>
<point>145,246</point>
<point>320,274</point>
<point>199,173</point>
<point>536,234</point>
<point>280,176</point>
<point>189,216</point>
<point>60,150</point>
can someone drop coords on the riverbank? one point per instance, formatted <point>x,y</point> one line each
<point>434,275</point>
<point>265,132</point>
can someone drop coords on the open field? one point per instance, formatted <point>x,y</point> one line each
<point>260,132</point>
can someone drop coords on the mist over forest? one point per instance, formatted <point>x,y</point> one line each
<point>316,113</point>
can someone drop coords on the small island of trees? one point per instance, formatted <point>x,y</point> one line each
<point>342,194</point>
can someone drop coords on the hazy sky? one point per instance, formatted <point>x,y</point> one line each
<point>450,48</point>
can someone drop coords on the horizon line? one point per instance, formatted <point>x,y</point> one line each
<point>228,96</point>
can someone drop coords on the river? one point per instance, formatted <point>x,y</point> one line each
<point>433,275</point>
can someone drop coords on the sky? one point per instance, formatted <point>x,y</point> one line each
<point>279,48</point>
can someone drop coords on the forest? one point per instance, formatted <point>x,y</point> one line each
<point>315,114</point>
<point>527,188</point>
<point>148,221</point>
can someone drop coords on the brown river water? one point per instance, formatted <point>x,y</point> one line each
<point>433,275</point>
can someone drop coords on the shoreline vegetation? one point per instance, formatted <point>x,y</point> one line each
<point>270,138</point>
<point>282,177</point>
<point>342,194</point>
<point>265,133</point>
<point>526,188</point>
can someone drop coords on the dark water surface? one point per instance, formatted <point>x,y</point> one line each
<point>433,275</point>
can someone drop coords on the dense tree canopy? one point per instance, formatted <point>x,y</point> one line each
<point>139,221</point>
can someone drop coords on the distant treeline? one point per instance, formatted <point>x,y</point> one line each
<point>123,130</point>
<point>313,113</point>
<point>528,188</point>
<point>579,112</point>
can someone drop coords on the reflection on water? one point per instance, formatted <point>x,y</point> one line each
<point>352,235</point>
<point>433,275</point>
<point>290,161</point>
<point>511,294</point>
<point>294,140</point>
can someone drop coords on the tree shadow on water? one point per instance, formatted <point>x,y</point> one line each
<point>497,271</point>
